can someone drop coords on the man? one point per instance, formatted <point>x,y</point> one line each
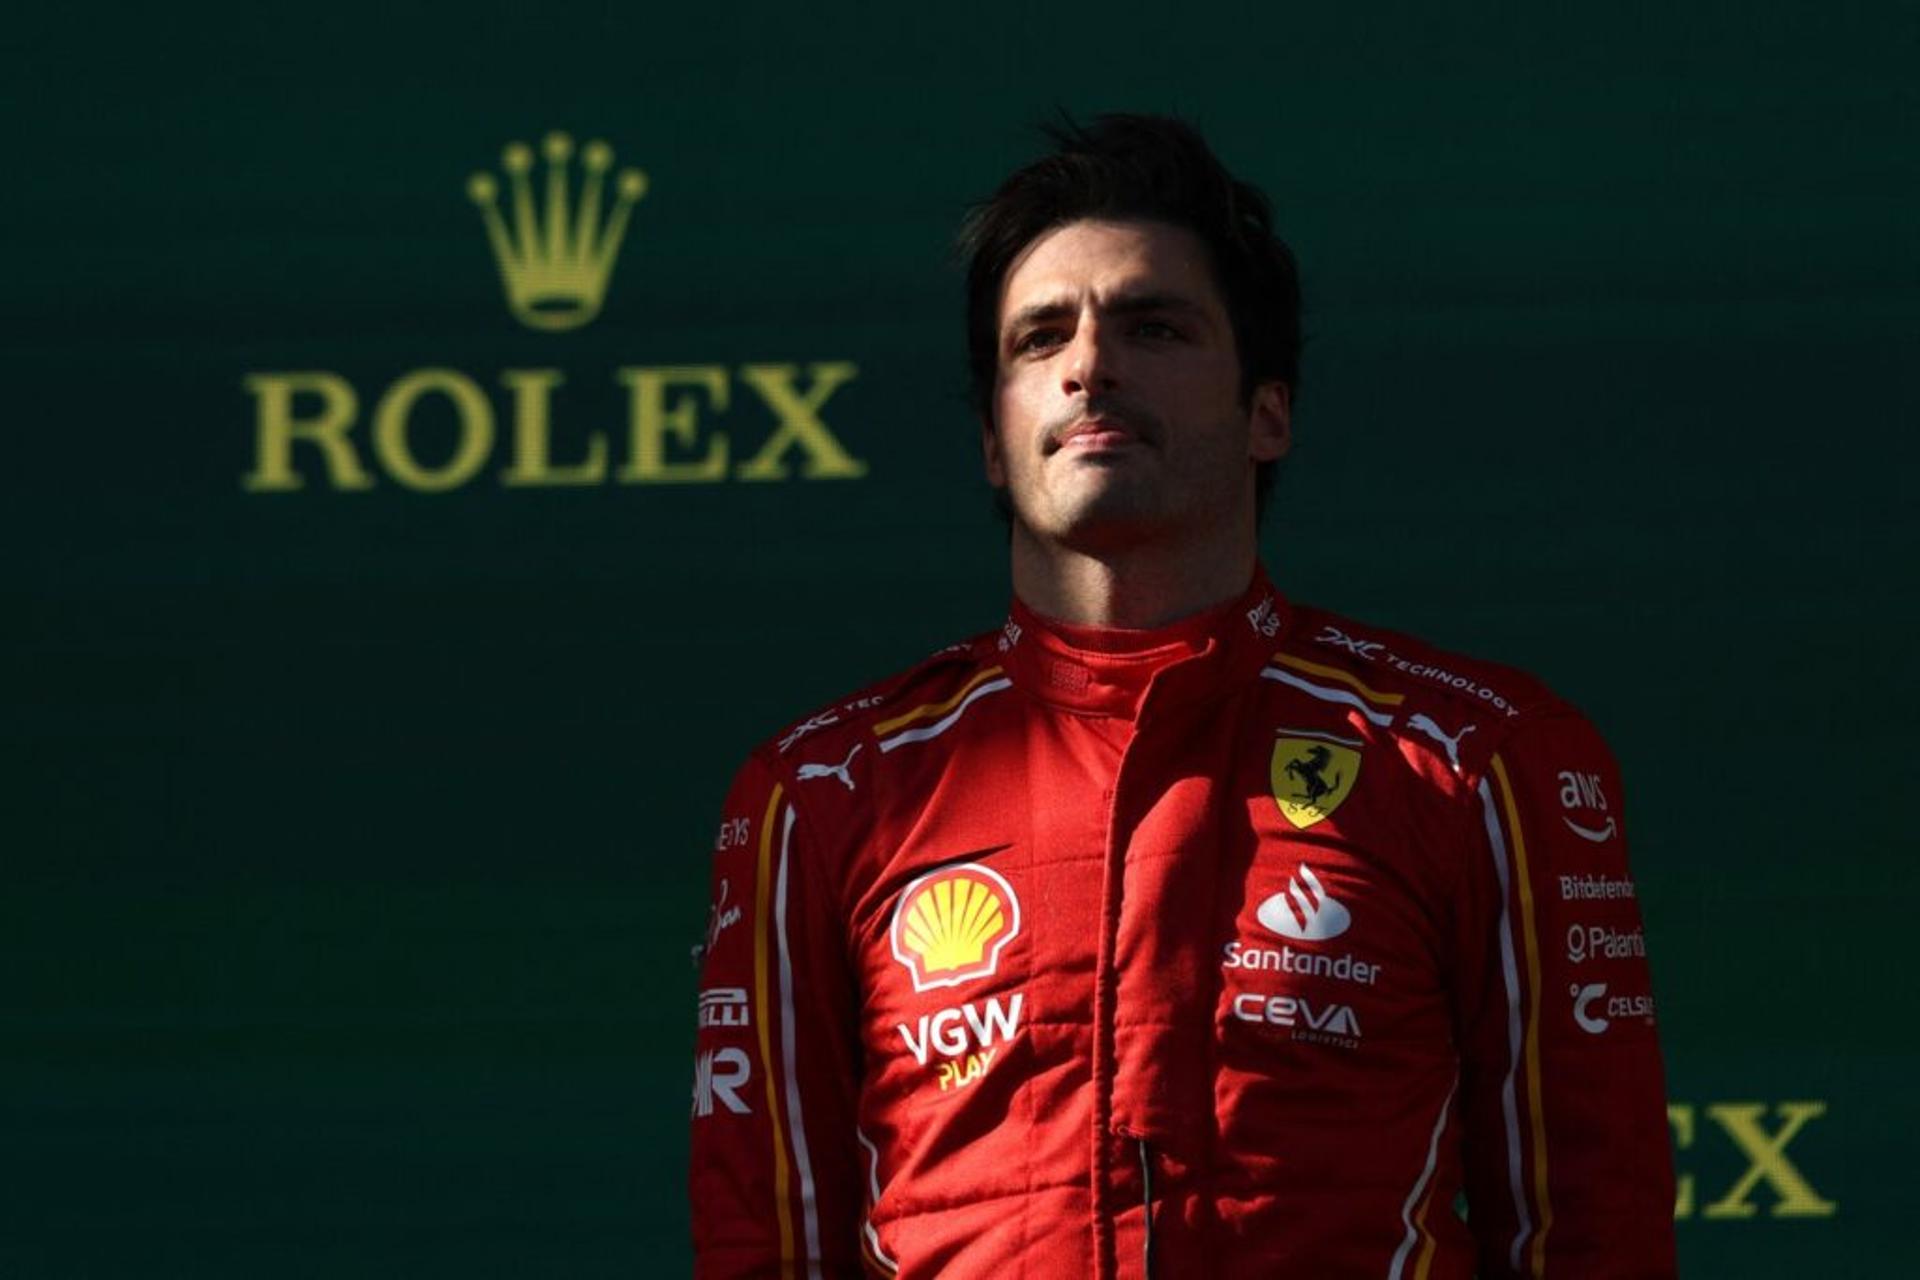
<point>1173,929</point>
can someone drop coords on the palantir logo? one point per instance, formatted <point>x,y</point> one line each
<point>1305,915</point>
<point>555,263</point>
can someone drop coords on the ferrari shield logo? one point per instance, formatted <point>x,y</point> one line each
<point>1312,774</point>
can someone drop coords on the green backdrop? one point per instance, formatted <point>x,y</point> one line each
<point>356,833</point>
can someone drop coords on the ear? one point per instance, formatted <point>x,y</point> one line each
<point>1270,422</point>
<point>991,454</point>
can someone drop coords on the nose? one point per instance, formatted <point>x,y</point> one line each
<point>1090,366</point>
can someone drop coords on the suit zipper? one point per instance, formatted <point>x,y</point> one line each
<point>1146,1196</point>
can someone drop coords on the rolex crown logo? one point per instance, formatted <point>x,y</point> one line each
<point>554,264</point>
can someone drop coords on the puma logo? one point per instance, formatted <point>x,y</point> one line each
<point>809,771</point>
<point>1425,724</point>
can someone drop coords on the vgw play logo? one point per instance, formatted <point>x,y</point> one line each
<point>555,243</point>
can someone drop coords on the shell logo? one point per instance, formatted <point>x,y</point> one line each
<point>949,926</point>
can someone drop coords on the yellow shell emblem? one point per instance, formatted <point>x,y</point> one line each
<point>950,927</point>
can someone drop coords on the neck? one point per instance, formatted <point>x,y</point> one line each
<point>1137,588</point>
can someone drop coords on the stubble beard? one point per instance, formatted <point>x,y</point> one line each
<point>1166,497</point>
<point>1101,503</point>
<point>1104,513</point>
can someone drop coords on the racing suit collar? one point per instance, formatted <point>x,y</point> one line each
<point>1110,670</point>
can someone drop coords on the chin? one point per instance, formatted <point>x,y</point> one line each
<point>1106,527</point>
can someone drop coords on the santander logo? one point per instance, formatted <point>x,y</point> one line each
<point>1308,914</point>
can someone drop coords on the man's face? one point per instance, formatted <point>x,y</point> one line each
<point>1117,412</point>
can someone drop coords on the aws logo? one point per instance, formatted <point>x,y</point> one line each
<point>950,926</point>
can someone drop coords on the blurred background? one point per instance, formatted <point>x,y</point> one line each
<point>389,604</point>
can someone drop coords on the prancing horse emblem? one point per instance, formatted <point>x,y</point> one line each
<point>1312,773</point>
<point>1310,769</point>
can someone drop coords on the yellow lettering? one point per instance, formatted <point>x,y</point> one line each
<point>395,451</point>
<point>533,440</point>
<point>1680,1120</point>
<point>1767,1159</point>
<point>653,421</point>
<point>799,421</point>
<point>668,441</point>
<point>275,430</point>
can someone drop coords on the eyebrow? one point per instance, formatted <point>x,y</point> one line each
<point>1126,304</point>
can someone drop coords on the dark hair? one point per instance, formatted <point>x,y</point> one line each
<point>1140,168</point>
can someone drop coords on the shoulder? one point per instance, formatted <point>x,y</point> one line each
<point>828,737</point>
<point>1463,708</point>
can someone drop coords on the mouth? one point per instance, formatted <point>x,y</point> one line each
<point>1097,436</point>
<point>1099,433</point>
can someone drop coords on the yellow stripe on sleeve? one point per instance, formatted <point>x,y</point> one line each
<point>763,894</point>
<point>1428,1242</point>
<point>1539,1121</point>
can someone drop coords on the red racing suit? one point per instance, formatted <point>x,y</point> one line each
<point>1243,947</point>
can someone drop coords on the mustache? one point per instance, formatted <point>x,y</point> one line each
<point>1133,418</point>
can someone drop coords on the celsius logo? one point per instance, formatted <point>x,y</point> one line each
<point>1594,1023</point>
<point>1310,916</point>
<point>1583,998</point>
<point>950,926</point>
